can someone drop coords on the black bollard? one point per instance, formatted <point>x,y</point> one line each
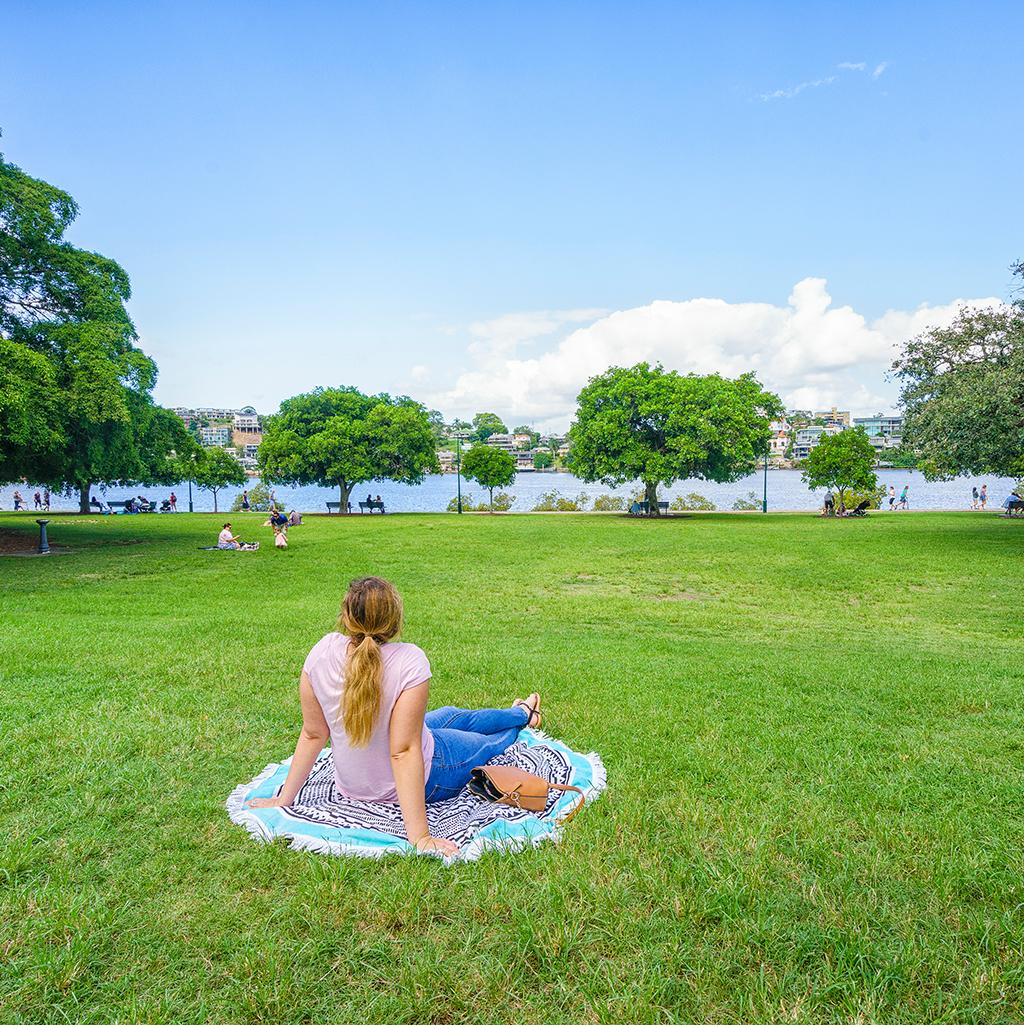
<point>44,545</point>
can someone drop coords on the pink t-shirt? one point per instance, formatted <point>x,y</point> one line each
<point>364,773</point>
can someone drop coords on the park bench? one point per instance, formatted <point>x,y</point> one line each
<point>336,507</point>
<point>120,505</point>
<point>644,508</point>
<point>364,506</point>
<point>1014,508</point>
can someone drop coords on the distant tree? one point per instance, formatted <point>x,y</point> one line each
<point>645,423</point>
<point>339,437</point>
<point>490,467</point>
<point>609,503</point>
<point>217,468</point>
<point>75,403</point>
<point>437,424</point>
<point>458,426</point>
<point>963,395</point>
<point>844,462</point>
<point>542,460</point>
<point>486,424</point>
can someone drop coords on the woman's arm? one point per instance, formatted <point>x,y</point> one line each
<point>312,738</point>
<point>406,738</point>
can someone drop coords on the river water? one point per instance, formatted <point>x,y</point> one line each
<point>786,492</point>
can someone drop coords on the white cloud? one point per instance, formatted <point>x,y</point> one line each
<point>879,68</point>
<point>851,66</point>
<point>813,353</point>
<point>505,335</point>
<point>795,90</point>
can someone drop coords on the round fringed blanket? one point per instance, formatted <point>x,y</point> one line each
<point>320,820</point>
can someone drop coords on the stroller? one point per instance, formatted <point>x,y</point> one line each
<point>861,510</point>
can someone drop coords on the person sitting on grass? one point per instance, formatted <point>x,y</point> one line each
<point>225,539</point>
<point>367,693</point>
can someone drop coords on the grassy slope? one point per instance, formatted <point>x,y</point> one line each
<point>812,732</point>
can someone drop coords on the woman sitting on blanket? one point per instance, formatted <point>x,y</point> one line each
<point>367,693</point>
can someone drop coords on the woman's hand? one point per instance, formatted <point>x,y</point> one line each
<point>269,802</point>
<point>435,845</point>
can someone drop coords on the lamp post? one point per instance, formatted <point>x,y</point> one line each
<point>190,496</point>
<point>458,469</point>
<point>764,500</point>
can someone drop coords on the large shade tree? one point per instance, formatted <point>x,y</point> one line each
<point>657,426</point>
<point>75,402</point>
<point>339,437</point>
<point>963,394</point>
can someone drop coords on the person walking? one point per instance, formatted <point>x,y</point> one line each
<point>974,497</point>
<point>46,500</point>
<point>245,501</point>
<point>892,497</point>
<point>19,502</point>
<point>830,503</point>
<point>904,502</point>
<point>38,500</point>
<point>983,495</point>
<point>173,500</point>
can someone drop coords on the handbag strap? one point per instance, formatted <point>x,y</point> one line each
<point>579,804</point>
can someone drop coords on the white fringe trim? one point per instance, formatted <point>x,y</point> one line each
<point>472,851</point>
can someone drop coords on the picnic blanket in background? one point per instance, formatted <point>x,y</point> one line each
<point>321,820</point>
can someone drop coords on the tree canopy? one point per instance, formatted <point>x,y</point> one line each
<point>843,461</point>
<point>339,437</point>
<point>75,403</point>
<point>486,424</point>
<point>963,395</point>
<point>657,426</point>
<point>490,467</point>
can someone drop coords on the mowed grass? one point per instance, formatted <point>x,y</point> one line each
<point>812,730</point>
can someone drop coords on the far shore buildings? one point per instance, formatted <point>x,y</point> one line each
<point>793,436</point>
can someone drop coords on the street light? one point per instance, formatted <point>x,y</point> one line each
<point>458,468</point>
<point>764,500</point>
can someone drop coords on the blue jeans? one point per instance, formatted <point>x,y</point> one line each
<point>464,739</point>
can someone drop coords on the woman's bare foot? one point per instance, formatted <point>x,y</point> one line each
<point>532,706</point>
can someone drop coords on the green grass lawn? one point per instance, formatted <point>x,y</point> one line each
<point>812,730</point>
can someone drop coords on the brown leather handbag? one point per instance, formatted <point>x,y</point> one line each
<point>505,784</point>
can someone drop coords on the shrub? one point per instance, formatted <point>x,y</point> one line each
<point>874,496</point>
<point>609,503</point>
<point>749,504</point>
<point>259,499</point>
<point>692,503</point>
<point>553,501</point>
<point>503,501</point>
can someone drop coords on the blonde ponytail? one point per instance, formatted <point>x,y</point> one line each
<point>371,615</point>
<point>363,675</point>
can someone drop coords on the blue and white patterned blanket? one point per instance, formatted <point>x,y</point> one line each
<point>320,820</point>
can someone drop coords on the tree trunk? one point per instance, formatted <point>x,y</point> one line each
<point>214,490</point>
<point>651,488</point>
<point>83,497</point>
<point>492,500</point>
<point>344,490</point>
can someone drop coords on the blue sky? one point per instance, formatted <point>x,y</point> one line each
<point>477,204</point>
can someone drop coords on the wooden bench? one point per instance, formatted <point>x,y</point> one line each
<point>336,507</point>
<point>363,506</point>
<point>120,505</point>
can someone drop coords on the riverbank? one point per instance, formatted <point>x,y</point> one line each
<point>786,492</point>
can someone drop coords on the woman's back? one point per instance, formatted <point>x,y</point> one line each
<point>365,773</point>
